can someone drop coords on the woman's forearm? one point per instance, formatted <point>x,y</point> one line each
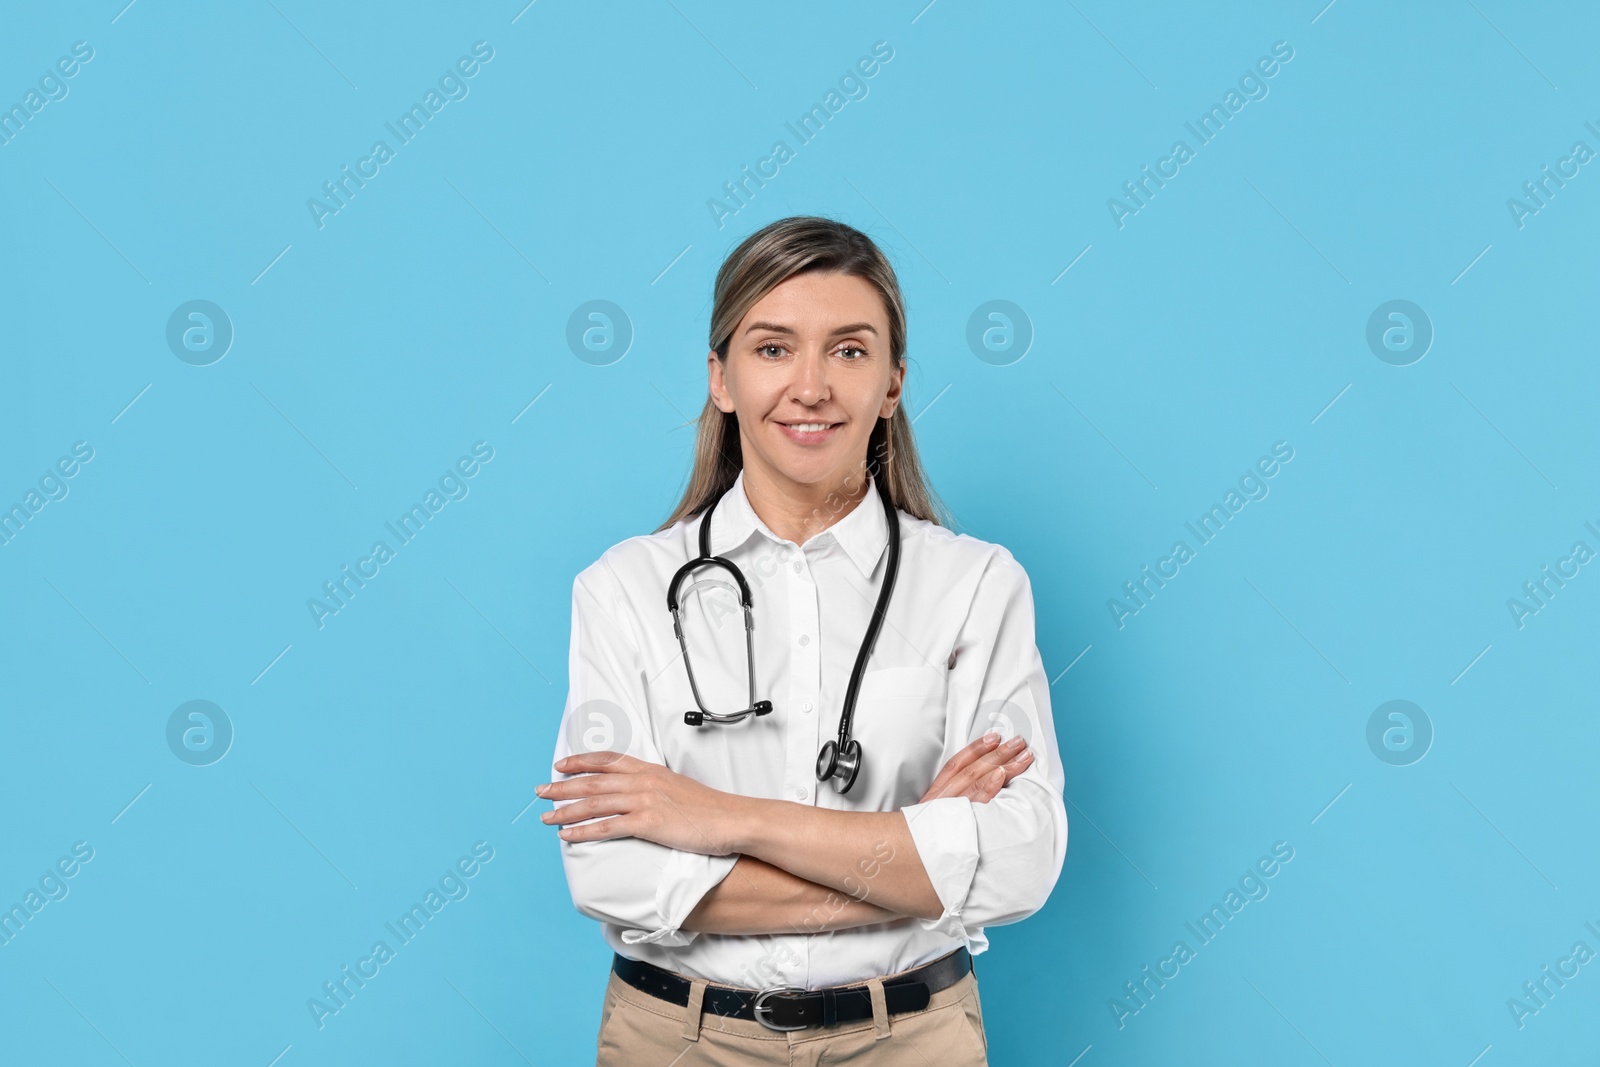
<point>758,898</point>
<point>870,856</point>
<point>867,855</point>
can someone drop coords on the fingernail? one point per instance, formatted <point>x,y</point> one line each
<point>545,817</point>
<point>991,738</point>
<point>1025,757</point>
<point>539,789</point>
<point>1016,742</point>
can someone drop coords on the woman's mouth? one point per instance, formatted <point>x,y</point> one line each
<point>809,433</point>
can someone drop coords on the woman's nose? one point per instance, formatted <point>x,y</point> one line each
<point>810,382</point>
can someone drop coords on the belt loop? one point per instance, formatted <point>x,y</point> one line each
<point>880,1008</point>
<point>691,1011</point>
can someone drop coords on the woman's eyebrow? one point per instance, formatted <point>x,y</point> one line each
<point>774,327</point>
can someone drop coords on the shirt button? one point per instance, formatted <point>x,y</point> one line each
<point>806,707</point>
<point>800,794</point>
<point>805,639</point>
<point>798,567</point>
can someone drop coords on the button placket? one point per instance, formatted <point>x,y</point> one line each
<point>806,659</point>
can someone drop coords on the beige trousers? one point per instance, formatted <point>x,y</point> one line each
<point>638,1029</point>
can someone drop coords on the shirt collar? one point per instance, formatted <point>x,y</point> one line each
<point>863,533</point>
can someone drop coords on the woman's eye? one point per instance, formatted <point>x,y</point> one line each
<point>854,348</point>
<point>777,349</point>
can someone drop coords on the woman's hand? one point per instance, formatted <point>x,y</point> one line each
<point>981,770</point>
<point>634,798</point>
<point>630,797</point>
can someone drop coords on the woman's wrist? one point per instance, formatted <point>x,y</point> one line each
<point>748,823</point>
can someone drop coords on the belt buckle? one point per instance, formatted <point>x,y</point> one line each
<point>760,1006</point>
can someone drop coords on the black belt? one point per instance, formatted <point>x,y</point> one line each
<point>793,1008</point>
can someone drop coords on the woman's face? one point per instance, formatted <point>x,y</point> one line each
<point>809,374</point>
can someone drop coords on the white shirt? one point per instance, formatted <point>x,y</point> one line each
<point>954,658</point>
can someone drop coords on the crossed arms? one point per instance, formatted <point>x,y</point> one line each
<point>798,868</point>
<point>665,858</point>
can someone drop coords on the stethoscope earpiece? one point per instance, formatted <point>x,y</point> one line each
<point>698,718</point>
<point>839,761</point>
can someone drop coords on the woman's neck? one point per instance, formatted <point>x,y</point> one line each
<point>796,511</point>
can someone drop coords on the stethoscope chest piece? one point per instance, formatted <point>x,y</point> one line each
<point>842,767</point>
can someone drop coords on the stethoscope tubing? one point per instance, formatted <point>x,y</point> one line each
<point>843,763</point>
<point>879,610</point>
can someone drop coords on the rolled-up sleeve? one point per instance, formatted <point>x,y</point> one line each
<point>645,889</point>
<point>997,862</point>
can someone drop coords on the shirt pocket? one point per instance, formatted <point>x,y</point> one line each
<point>900,722</point>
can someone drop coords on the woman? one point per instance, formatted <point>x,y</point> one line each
<point>767,902</point>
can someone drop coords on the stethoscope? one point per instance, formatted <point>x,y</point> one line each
<point>839,760</point>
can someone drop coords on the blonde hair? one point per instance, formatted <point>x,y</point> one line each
<point>770,256</point>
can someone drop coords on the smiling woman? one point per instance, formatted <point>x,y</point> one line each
<point>747,887</point>
<point>779,288</point>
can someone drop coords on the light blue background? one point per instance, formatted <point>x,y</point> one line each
<point>427,314</point>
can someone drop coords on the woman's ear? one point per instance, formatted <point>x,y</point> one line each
<point>717,382</point>
<point>891,399</point>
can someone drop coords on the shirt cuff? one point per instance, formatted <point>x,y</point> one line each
<point>945,832</point>
<point>686,877</point>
